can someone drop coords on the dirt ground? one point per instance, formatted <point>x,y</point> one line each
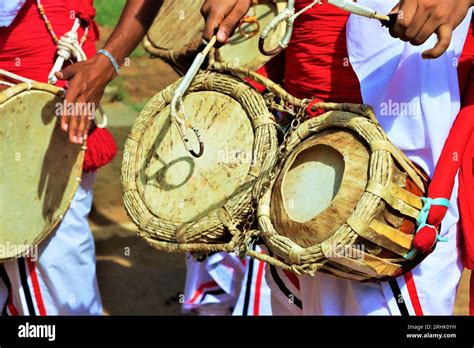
<point>134,278</point>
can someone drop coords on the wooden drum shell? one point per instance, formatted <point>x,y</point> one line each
<point>365,230</point>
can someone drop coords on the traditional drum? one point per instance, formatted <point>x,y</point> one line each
<point>190,203</point>
<point>176,37</point>
<point>344,200</point>
<point>41,170</point>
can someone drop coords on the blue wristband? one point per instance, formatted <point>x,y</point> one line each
<point>112,60</point>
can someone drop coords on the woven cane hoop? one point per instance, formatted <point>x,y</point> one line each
<point>217,231</point>
<point>292,257</point>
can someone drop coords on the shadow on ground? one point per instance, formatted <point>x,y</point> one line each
<point>135,279</point>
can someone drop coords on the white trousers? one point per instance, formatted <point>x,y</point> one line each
<point>429,289</point>
<point>225,285</point>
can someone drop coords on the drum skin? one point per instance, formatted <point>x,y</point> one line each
<point>179,45</point>
<point>41,170</point>
<point>191,187</point>
<point>320,186</point>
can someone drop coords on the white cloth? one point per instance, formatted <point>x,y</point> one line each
<point>9,10</point>
<point>224,285</point>
<point>416,102</point>
<point>63,280</point>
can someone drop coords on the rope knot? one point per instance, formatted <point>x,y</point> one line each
<point>68,46</point>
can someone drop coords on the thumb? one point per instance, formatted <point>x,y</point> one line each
<point>232,20</point>
<point>66,74</point>
<point>225,30</point>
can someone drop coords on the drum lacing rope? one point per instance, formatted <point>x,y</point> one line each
<point>7,83</point>
<point>178,115</point>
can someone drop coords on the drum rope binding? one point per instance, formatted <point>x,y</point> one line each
<point>16,77</point>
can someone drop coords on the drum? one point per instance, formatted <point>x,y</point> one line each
<point>344,200</point>
<point>41,170</point>
<point>183,203</point>
<point>175,35</point>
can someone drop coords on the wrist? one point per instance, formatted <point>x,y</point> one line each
<point>111,58</point>
<point>105,66</point>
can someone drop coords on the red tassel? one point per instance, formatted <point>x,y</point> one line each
<point>436,215</point>
<point>425,239</point>
<point>101,149</point>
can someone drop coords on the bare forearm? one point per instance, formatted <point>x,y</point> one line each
<point>134,22</point>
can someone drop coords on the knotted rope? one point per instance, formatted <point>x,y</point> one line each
<point>69,48</point>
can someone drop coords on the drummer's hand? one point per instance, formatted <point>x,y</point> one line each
<point>418,19</point>
<point>223,17</point>
<point>87,82</point>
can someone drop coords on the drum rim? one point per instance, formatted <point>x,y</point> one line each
<point>308,260</point>
<point>14,91</point>
<point>208,234</point>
